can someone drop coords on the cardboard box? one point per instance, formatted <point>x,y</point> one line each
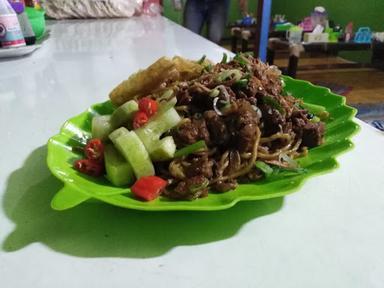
<point>316,37</point>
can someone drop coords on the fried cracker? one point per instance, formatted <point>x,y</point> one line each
<point>143,81</point>
<point>188,69</point>
<point>153,78</point>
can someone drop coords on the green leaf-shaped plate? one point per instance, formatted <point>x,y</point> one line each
<point>79,188</point>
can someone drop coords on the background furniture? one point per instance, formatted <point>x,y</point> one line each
<point>246,36</point>
<point>329,48</point>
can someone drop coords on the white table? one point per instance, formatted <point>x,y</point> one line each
<point>329,234</point>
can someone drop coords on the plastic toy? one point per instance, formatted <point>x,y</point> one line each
<point>294,34</point>
<point>248,21</point>
<point>348,32</point>
<point>363,35</point>
<point>333,36</point>
<point>283,27</point>
<point>278,19</point>
<point>306,24</point>
<point>319,16</point>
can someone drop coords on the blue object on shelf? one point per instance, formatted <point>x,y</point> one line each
<point>248,21</point>
<point>363,35</point>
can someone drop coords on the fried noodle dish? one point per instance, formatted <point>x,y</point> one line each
<point>237,124</point>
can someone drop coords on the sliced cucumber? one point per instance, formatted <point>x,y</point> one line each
<point>165,149</point>
<point>119,171</point>
<point>159,124</point>
<point>101,126</point>
<point>166,105</point>
<point>117,133</point>
<point>124,114</point>
<point>133,150</point>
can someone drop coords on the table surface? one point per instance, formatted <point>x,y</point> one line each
<point>329,234</point>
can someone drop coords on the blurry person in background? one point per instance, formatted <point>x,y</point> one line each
<point>214,13</point>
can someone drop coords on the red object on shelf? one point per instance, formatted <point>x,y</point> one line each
<point>348,32</point>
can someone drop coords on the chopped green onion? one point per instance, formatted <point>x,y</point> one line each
<point>197,187</point>
<point>315,119</point>
<point>318,110</point>
<point>313,108</point>
<point>286,93</point>
<point>264,167</point>
<point>249,53</point>
<point>242,83</point>
<point>273,103</point>
<point>224,75</point>
<point>247,76</point>
<point>280,172</point>
<point>292,163</point>
<point>167,94</point>
<point>226,108</point>
<point>240,59</point>
<point>166,101</point>
<point>207,68</point>
<point>214,93</point>
<point>286,172</point>
<point>190,149</point>
<point>224,59</point>
<point>201,61</point>
<point>324,115</point>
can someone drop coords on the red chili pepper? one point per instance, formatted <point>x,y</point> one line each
<point>94,150</point>
<point>89,167</point>
<point>148,187</point>
<point>148,106</point>
<point>139,119</point>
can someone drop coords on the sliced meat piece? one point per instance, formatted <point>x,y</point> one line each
<point>217,128</point>
<point>246,137</point>
<point>183,97</point>
<point>254,87</point>
<point>188,133</point>
<point>243,126</point>
<point>298,125</point>
<point>272,120</point>
<point>313,134</point>
<point>193,131</point>
<point>199,166</point>
<point>190,189</point>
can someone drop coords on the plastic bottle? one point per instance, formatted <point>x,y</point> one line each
<point>348,32</point>
<point>10,31</point>
<point>25,25</point>
<point>152,7</point>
